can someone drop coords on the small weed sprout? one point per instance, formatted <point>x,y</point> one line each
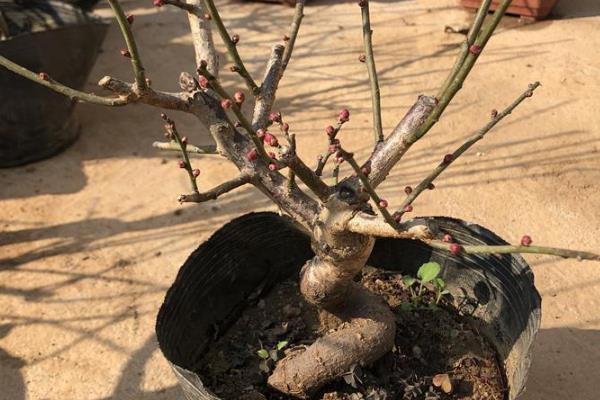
<point>427,273</point>
<point>271,356</point>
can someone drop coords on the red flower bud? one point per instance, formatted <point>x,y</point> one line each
<point>431,186</point>
<point>235,38</point>
<point>252,155</point>
<point>260,133</point>
<point>202,81</point>
<point>383,203</point>
<point>448,158</point>
<point>271,140</point>
<point>526,240</point>
<point>330,130</point>
<point>271,154</point>
<point>44,76</point>
<point>363,3</point>
<point>455,248</point>
<point>408,208</point>
<point>125,53</point>
<point>273,167</point>
<point>275,117</point>
<point>362,58</point>
<point>196,172</point>
<point>408,190</point>
<point>239,97</point>
<point>366,169</point>
<point>475,49</point>
<point>448,238</point>
<point>344,115</point>
<point>226,103</point>
<point>158,3</point>
<point>130,19</point>
<point>181,163</point>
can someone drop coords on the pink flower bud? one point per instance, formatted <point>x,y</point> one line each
<point>362,3</point>
<point>196,172</point>
<point>330,130</point>
<point>273,167</point>
<point>252,155</point>
<point>239,97</point>
<point>125,53</point>
<point>271,140</point>
<point>202,81</point>
<point>344,115</point>
<point>455,248</point>
<point>526,240</point>
<point>44,76</point>
<point>285,127</point>
<point>226,103</point>
<point>333,148</point>
<point>181,164</point>
<point>408,190</point>
<point>448,158</point>
<point>260,133</point>
<point>475,49</point>
<point>383,203</point>
<point>275,117</point>
<point>130,18</point>
<point>271,154</point>
<point>158,3</point>
<point>447,238</point>
<point>366,170</point>
<point>235,38</point>
<point>408,208</point>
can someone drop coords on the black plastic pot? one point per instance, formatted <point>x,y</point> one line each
<point>36,122</point>
<point>250,254</point>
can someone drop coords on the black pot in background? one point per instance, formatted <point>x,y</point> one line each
<point>250,254</point>
<point>64,41</point>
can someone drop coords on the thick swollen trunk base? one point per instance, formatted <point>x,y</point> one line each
<point>366,333</point>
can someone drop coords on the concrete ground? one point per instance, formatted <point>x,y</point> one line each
<point>92,238</point>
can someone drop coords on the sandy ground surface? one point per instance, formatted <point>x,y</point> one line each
<point>91,239</point>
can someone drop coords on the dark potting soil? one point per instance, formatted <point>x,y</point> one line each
<point>433,344</point>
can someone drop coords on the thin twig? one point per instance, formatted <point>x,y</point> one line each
<point>268,89</point>
<point>47,81</point>
<point>293,34</point>
<point>510,249</point>
<point>172,131</point>
<point>381,206</point>
<point>215,192</point>
<point>463,148</point>
<point>125,27</point>
<point>231,47</point>
<point>373,80</point>
<point>464,51</point>
<point>190,148</point>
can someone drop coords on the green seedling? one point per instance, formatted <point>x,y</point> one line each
<point>428,273</point>
<point>270,356</point>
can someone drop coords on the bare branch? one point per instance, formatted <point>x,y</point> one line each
<point>171,131</point>
<point>470,40</point>
<point>202,38</point>
<point>389,152</point>
<point>266,98</point>
<point>45,80</point>
<point>293,34</point>
<point>171,101</point>
<point>373,80</point>
<point>215,192</point>
<point>510,249</point>
<point>125,26</point>
<point>496,117</point>
<point>231,47</point>
<point>374,225</point>
<point>379,202</point>
<point>306,175</point>
<point>190,148</point>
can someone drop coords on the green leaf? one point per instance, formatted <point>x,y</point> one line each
<point>428,272</point>
<point>262,353</point>
<point>282,345</point>
<point>439,283</point>
<point>408,280</point>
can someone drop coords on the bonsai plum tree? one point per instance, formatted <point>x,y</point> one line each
<point>342,219</point>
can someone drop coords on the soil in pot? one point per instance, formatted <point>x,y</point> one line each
<point>433,343</point>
